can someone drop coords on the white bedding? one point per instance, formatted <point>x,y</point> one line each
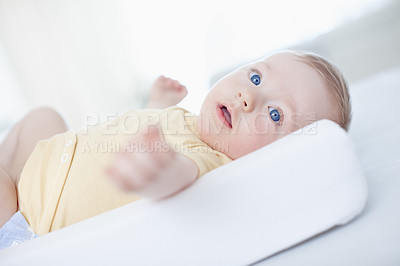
<point>272,199</point>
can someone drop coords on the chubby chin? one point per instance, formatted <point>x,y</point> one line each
<point>236,151</point>
<point>241,145</point>
<point>233,146</point>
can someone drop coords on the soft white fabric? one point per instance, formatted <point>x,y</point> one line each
<point>240,213</point>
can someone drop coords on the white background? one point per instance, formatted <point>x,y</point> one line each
<point>100,57</point>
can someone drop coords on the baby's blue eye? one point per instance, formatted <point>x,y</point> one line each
<point>255,78</point>
<point>274,114</point>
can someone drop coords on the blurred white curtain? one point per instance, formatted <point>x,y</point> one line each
<point>12,102</point>
<point>72,55</point>
<point>100,56</point>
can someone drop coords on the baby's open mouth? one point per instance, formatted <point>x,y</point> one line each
<point>227,115</point>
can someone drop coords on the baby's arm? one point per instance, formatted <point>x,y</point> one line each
<point>153,169</point>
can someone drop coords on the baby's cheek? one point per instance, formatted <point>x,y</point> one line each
<point>259,141</point>
<point>265,126</point>
<point>247,143</point>
<point>263,133</point>
<point>260,125</point>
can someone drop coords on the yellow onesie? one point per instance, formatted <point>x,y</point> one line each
<point>64,182</point>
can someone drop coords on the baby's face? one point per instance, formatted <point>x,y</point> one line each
<point>262,102</point>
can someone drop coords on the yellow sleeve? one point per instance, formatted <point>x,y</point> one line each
<point>204,157</point>
<point>179,131</point>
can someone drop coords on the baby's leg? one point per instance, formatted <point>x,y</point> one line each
<point>41,123</point>
<point>8,197</point>
<point>166,92</point>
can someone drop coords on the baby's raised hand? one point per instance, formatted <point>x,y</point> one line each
<point>166,92</point>
<point>151,168</point>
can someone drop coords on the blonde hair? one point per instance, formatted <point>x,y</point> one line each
<point>334,81</point>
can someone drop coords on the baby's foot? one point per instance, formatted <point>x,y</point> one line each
<point>166,92</point>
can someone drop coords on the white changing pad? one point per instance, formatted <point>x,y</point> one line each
<point>238,214</point>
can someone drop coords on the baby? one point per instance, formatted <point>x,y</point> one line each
<point>246,110</point>
<point>154,153</point>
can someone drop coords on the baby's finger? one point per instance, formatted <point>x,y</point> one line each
<point>146,168</point>
<point>183,90</point>
<point>129,167</point>
<point>175,84</point>
<point>120,179</point>
<point>141,167</point>
<point>153,134</point>
<point>159,152</point>
<point>179,87</point>
<point>163,157</point>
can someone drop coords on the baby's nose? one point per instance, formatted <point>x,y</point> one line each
<point>247,99</point>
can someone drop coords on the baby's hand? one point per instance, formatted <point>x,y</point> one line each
<point>152,169</point>
<point>166,92</point>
